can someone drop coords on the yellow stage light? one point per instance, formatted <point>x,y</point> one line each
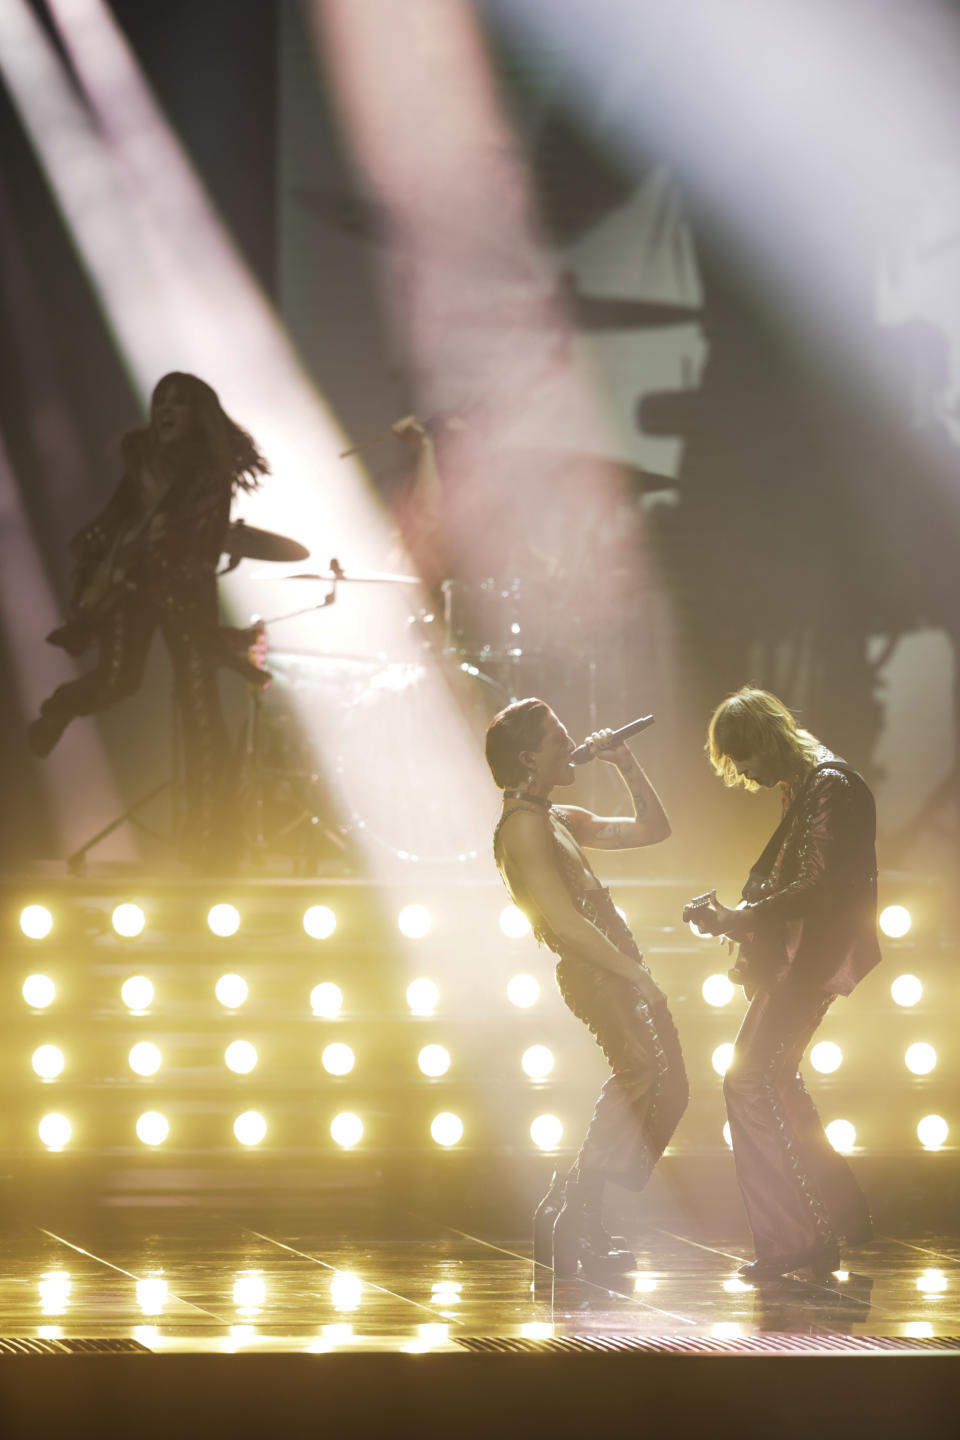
<point>338,1333</point>
<point>137,992</point>
<point>434,1060</point>
<point>249,1292</point>
<point>721,1057</point>
<point>36,922</point>
<point>513,923</point>
<point>537,1062</point>
<point>728,1138</point>
<point>907,990</point>
<point>240,1057</point>
<point>326,1000</point>
<point>152,1127</point>
<point>433,1333</point>
<point>932,1132</point>
<point>231,991</point>
<point>414,921</point>
<point>546,1132</point>
<point>338,1059</point>
<point>842,1136</point>
<point>523,991</point>
<point>932,1282</point>
<point>152,1295</point>
<point>733,1285</point>
<point>717,990</point>
<point>346,1129</point>
<point>920,1058</point>
<point>128,920</point>
<point>319,922</point>
<point>826,1057</point>
<point>918,1330</point>
<point>346,1291</point>
<point>224,920</point>
<point>446,1128</point>
<point>537,1330</point>
<point>250,1127</point>
<point>725,1330</point>
<point>145,1058</point>
<point>39,991</point>
<point>55,1130</point>
<point>644,1284</point>
<point>422,997</point>
<point>895,921</point>
<point>54,1288</point>
<point>47,1061</point>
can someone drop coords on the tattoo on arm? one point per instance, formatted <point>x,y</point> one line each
<point>612,830</point>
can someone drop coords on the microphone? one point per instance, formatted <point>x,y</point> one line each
<point>584,752</point>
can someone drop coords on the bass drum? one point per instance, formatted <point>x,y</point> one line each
<point>400,782</point>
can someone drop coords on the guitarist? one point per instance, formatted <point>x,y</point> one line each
<point>807,933</point>
<point>147,562</point>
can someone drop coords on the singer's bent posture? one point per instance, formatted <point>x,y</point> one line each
<point>538,848</point>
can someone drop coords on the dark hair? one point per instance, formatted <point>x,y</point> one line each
<point>518,727</point>
<point>224,444</point>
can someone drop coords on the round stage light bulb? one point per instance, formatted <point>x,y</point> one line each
<point>223,920</point>
<point>932,1132</point>
<point>39,991</point>
<point>319,922</point>
<point>546,1132</point>
<point>326,1000</point>
<point>231,991</point>
<point>513,923</point>
<point>523,991</point>
<point>728,1138</point>
<point>346,1291</point>
<point>842,1136</point>
<point>47,1061</point>
<point>537,1062</point>
<point>717,990</point>
<point>137,992</point>
<point>907,990</point>
<point>55,1131</point>
<point>895,921</point>
<point>434,1060</point>
<point>920,1058</point>
<point>152,1127</point>
<point>721,1057</point>
<point>249,1291</point>
<point>250,1127</point>
<point>128,920</point>
<point>152,1293</point>
<point>36,922</point>
<point>346,1129</point>
<point>240,1057</point>
<point>422,997</point>
<point>826,1057</point>
<point>338,1059</point>
<point>414,921</point>
<point>145,1058</point>
<point>932,1282</point>
<point>446,1128</point>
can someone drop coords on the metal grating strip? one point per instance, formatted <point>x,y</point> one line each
<point>771,1343</point>
<point>18,1345</point>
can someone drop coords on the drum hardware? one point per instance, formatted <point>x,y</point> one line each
<point>246,542</point>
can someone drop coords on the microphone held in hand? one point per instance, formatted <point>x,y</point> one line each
<point>586,752</point>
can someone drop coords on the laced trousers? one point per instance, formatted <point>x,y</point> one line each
<point>799,1194</point>
<point>639,1107</point>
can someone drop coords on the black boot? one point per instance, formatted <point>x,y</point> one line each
<point>579,1238</point>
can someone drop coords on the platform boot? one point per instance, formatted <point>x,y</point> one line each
<point>579,1238</point>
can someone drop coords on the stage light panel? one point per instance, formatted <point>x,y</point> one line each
<point>717,990</point>
<point>523,991</point>
<point>422,996</point>
<point>895,921</point>
<point>338,1059</point>
<point>727,1137</point>
<point>47,1061</point>
<point>447,1128</point>
<point>153,1293</point>
<point>546,1132</point>
<point>250,1127</point>
<point>223,920</point>
<point>346,1129</point>
<point>145,1058</point>
<point>826,1057</point>
<point>326,1000</point>
<point>842,1136</point>
<point>128,920</point>
<point>932,1132</point>
<point>36,922</point>
<point>137,992</point>
<point>537,1062</point>
<point>721,1057</point>
<point>240,1057</point>
<point>434,1060</point>
<point>319,922</point>
<point>513,923</point>
<point>414,921</point>
<point>920,1058</point>
<point>55,1131</point>
<point>231,991</point>
<point>152,1127</point>
<point>39,991</point>
<point>907,990</point>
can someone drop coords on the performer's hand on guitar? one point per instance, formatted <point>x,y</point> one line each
<point>712,918</point>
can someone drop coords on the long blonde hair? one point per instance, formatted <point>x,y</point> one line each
<point>754,722</point>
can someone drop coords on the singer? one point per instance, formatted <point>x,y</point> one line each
<point>539,850</point>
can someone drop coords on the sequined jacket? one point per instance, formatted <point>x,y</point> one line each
<point>812,897</point>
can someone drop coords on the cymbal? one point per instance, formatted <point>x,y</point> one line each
<point>248,543</point>
<point>356,577</point>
